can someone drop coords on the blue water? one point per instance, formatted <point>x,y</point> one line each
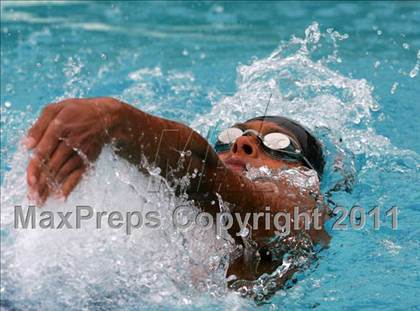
<point>347,70</point>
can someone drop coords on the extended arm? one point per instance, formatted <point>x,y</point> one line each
<point>70,134</point>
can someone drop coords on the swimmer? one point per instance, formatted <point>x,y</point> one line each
<point>70,134</point>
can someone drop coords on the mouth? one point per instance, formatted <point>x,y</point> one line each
<point>236,164</point>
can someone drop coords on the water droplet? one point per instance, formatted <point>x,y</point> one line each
<point>377,64</point>
<point>381,117</point>
<point>405,46</point>
<point>394,87</point>
<point>7,104</point>
<point>202,55</point>
<point>104,56</point>
<point>379,32</point>
<point>9,87</point>
<point>244,232</point>
<point>413,73</point>
<point>374,106</point>
<point>184,52</point>
<point>243,291</point>
<point>218,9</point>
<point>312,33</point>
<point>154,171</point>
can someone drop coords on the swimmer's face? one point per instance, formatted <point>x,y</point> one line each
<point>247,149</point>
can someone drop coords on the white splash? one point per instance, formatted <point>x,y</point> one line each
<point>161,265</point>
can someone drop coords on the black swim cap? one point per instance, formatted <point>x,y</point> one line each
<point>311,147</point>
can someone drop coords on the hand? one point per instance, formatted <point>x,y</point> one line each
<point>66,138</point>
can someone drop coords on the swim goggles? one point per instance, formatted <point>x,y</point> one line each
<point>277,145</point>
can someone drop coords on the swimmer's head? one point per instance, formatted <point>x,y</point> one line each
<point>275,142</point>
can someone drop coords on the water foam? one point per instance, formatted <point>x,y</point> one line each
<point>86,267</point>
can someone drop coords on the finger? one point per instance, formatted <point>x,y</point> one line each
<point>45,184</point>
<point>73,163</point>
<point>71,182</point>
<point>36,132</point>
<point>32,195</point>
<point>43,196</point>
<point>40,195</point>
<point>33,171</point>
<point>49,141</point>
<point>37,175</point>
<point>61,154</point>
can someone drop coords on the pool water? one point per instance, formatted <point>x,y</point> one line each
<point>349,71</point>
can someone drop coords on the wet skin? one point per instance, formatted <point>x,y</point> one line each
<point>69,135</point>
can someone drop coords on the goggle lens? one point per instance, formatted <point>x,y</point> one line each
<point>274,141</point>
<point>229,135</point>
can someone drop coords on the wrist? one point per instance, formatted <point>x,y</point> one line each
<point>111,112</point>
<point>115,113</point>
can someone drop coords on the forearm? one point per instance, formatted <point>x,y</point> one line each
<point>173,147</point>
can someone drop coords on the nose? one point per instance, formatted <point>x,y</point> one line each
<point>245,145</point>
